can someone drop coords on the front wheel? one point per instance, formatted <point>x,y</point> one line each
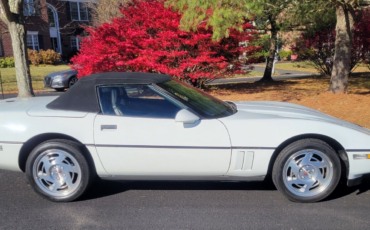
<point>307,170</point>
<point>72,82</point>
<point>58,171</point>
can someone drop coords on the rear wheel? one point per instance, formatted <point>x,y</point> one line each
<point>307,170</point>
<point>58,171</point>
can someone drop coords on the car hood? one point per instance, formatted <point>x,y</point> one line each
<point>67,71</point>
<point>254,109</point>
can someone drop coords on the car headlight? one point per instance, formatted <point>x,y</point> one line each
<point>57,78</point>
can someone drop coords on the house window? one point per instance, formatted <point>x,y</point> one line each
<point>29,8</point>
<point>79,11</point>
<point>75,43</point>
<point>33,40</point>
<point>51,18</point>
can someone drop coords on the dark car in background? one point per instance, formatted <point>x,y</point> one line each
<point>61,80</point>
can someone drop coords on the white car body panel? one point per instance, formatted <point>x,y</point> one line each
<point>9,156</point>
<point>249,163</point>
<point>160,162</point>
<point>268,124</point>
<point>17,127</point>
<point>358,167</point>
<point>238,146</point>
<point>42,111</point>
<point>162,147</point>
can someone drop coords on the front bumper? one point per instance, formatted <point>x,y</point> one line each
<point>354,182</point>
<point>50,82</point>
<point>358,167</point>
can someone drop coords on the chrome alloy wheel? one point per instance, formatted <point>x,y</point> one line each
<point>73,81</point>
<point>57,173</point>
<point>308,173</point>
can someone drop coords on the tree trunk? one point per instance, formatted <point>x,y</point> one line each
<point>343,46</point>
<point>267,76</point>
<point>22,69</point>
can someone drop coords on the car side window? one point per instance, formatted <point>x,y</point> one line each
<point>135,101</point>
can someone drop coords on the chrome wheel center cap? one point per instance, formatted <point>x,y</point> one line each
<point>306,172</point>
<point>57,172</point>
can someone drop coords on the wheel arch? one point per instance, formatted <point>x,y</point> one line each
<point>29,145</point>
<point>339,149</point>
<point>72,76</point>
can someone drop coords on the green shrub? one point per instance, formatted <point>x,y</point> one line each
<point>9,62</point>
<point>285,55</point>
<point>2,63</point>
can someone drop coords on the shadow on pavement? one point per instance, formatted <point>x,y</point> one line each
<point>342,190</point>
<point>103,188</point>
<point>365,186</point>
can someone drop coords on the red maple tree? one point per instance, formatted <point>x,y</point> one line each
<point>147,38</point>
<point>363,31</point>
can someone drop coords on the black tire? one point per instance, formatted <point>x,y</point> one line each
<point>59,89</point>
<point>72,81</point>
<point>314,194</point>
<point>75,151</point>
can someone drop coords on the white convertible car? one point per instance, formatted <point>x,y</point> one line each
<point>138,126</point>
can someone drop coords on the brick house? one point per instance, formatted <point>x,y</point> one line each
<point>51,24</point>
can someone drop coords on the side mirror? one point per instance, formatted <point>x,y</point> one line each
<point>186,117</point>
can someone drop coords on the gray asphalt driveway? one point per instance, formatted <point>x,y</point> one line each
<point>283,74</point>
<point>179,205</point>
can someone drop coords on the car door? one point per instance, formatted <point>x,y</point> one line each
<point>136,135</point>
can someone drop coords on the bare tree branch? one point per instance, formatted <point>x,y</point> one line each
<point>6,15</point>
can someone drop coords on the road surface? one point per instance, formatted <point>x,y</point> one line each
<point>283,74</point>
<point>179,205</point>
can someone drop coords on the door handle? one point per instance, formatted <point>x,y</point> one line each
<point>108,127</point>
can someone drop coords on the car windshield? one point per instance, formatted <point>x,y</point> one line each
<point>205,105</point>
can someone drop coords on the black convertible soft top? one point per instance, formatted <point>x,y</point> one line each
<point>82,97</point>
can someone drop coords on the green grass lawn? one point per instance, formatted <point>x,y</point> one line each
<point>37,73</point>
<point>298,66</point>
<point>250,74</point>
